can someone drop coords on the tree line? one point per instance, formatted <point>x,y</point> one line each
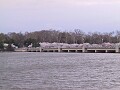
<point>76,36</point>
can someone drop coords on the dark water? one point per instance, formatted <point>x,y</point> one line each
<point>59,71</point>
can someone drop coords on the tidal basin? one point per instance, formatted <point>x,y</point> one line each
<point>59,71</point>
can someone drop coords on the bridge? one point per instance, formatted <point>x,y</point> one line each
<point>83,49</point>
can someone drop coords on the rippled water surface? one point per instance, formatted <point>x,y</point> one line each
<point>59,71</point>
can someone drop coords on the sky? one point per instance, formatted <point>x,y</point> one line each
<point>64,15</point>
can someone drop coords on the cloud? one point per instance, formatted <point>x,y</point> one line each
<point>92,2</point>
<point>60,2</point>
<point>58,13</point>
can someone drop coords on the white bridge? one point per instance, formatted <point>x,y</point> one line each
<point>75,50</point>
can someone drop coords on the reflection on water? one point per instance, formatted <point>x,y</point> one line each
<point>59,71</point>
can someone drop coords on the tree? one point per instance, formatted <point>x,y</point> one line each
<point>9,48</point>
<point>79,35</point>
<point>1,46</point>
<point>17,39</point>
<point>29,41</point>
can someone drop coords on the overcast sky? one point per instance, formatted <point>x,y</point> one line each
<point>35,15</point>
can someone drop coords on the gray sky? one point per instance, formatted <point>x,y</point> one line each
<point>35,15</point>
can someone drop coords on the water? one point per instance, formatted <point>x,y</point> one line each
<point>59,71</point>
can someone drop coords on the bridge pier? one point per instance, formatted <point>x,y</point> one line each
<point>68,51</point>
<point>106,51</point>
<point>117,49</point>
<point>95,51</point>
<point>40,49</point>
<point>59,49</point>
<point>84,50</point>
<point>76,51</point>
